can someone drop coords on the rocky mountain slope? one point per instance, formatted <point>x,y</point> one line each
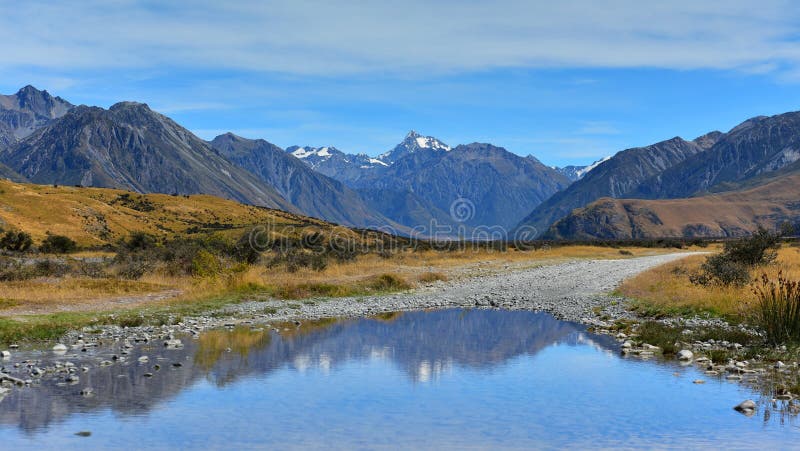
<point>311,192</point>
<point>131,147</point>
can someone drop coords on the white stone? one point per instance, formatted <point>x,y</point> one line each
<point>59,348</point>
<point>685,354</point>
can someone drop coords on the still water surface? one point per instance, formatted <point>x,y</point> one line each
<point>442,379</point>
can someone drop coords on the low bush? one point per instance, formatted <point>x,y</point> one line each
<point>389,282</point>
<point>58,244</point>
<point>738,257</point>
<point>15,241</point>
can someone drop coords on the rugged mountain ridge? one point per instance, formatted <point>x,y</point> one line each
<point>131,147</point>
<point>26,111</point>
<point>332,162</point>
<point>756,147</point>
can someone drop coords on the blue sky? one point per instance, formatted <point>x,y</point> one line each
<point>567,82</point>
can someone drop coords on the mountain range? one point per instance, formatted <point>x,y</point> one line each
<point>47,140</point>
<point>422,185</point>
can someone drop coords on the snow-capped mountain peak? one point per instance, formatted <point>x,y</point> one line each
<point>413,142</point>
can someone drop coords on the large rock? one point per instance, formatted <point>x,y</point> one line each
<point>685,354</point>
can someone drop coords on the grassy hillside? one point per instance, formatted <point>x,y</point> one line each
<point>719,215</point>
<point>98,216</point>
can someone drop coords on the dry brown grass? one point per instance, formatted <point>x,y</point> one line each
<point>667,289</point>
<point>94,216</point>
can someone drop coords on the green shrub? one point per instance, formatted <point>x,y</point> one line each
<point>777,309</point>
<point>138,241</point>
<point>205,264</point>
<point>16,241</point>
<point>721,269</point>
<point>657,334</point>
<point>738,257</point>
<point>58,244</point>
<point>758,249</point>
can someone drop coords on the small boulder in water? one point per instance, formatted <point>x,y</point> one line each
<point>685,354</point>
<point>747,407</point>
<point>173,343</point>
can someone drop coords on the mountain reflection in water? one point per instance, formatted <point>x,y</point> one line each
<point>423,344</point>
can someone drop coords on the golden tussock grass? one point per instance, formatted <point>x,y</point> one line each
<point>667,288</point>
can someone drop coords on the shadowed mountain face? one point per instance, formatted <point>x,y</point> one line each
<point>617,177</point>
<point>422,345</point>
<point>26,111</point>
<point>311,192</point>
<point>129,146</point>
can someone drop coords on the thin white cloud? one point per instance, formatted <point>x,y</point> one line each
<point>598,128</point>
<point>349,36</point>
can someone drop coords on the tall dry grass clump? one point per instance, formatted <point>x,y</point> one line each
<point>777,308</point>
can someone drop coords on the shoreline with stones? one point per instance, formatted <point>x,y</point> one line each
<point>575,291</point>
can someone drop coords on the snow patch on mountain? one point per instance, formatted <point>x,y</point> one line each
<point>587,169</point>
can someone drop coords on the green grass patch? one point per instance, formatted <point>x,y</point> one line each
<point>658,334</point>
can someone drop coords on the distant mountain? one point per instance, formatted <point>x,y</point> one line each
<point>475,184</point>
<point>575,173</point>
<point>617,177</point>
<point>413,143</point>
<point>26,111</point>
<point>311,192</point>
<point>129,146</point>
<point>729,214</point>
<point>332,162</point>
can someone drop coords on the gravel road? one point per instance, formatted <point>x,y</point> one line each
<point>569,291</point>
